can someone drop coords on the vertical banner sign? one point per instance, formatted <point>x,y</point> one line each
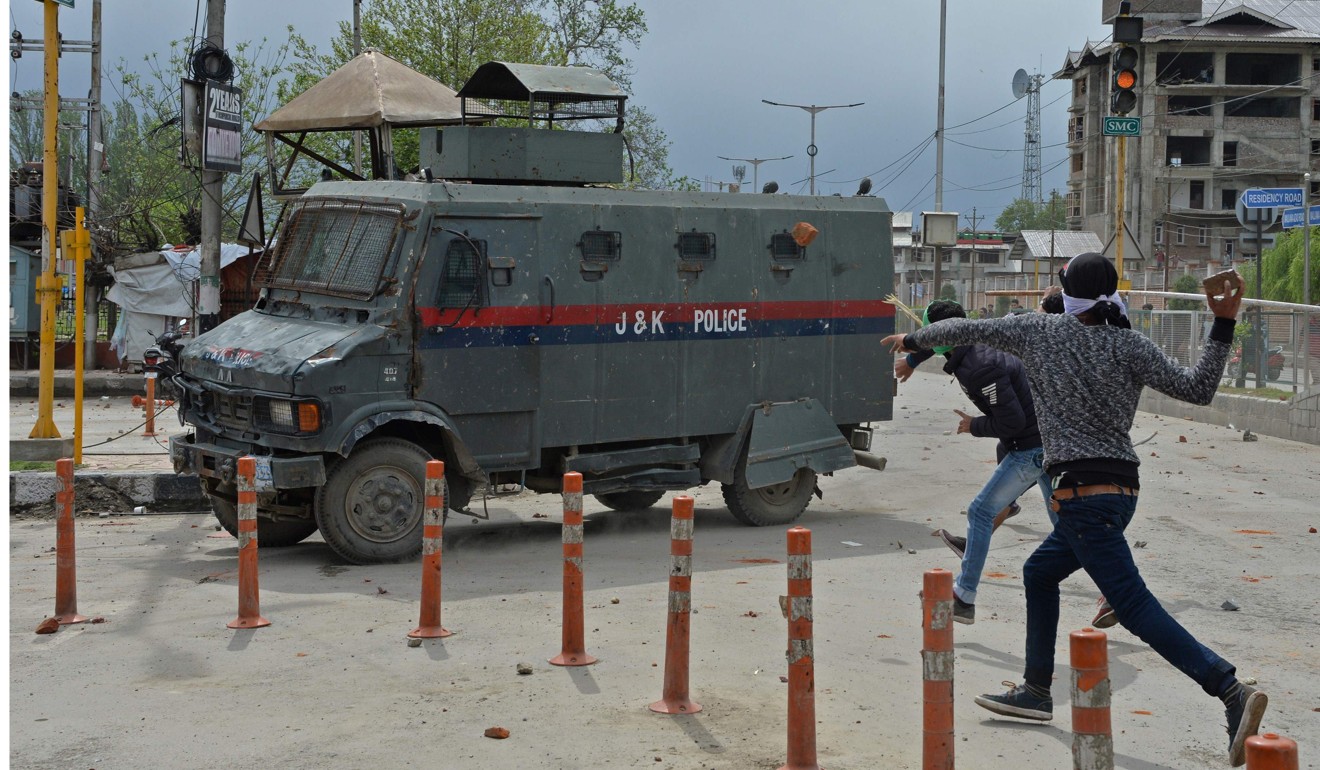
<point>222,128</point>
<point>192,94</point>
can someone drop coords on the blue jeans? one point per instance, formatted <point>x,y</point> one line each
<point>1089,536</point>
<point>1015,474</point>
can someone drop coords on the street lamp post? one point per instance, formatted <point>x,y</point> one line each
<point>811,148</point>
<point>756,167</point>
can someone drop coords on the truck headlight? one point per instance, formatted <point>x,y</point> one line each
<point>284,416</point>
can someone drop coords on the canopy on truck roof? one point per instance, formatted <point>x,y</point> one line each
<point>540,92</point>
<point>371,92</point>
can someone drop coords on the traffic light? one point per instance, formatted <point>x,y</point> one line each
<point>1123,91</point>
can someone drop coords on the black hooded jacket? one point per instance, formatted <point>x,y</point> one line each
<point>996,383</point>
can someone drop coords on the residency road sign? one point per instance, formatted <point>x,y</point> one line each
<point>1293,217</point>
<point>1260,198</point>
<point>1115,126</point>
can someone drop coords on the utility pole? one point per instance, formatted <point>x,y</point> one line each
<point>357,49</point>
<point>756,167</point>
<point>811,148</point>
<point>208,296</point>
<point>939,142</point>
<point>971,290</point>
<point>48,285</point>
<point>95,157</point>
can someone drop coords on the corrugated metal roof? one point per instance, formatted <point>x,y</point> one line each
<point>1067,244</point>
<point>369,91</point>
<point>518,82</point>
<point>1264,20</point>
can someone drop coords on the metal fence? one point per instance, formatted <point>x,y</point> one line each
<point>1181,334</point>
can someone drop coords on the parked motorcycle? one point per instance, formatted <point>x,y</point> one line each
<point>1273,363</point>
<point>163,360</point>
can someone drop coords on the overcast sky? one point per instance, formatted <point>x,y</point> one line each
<point>705,65</point>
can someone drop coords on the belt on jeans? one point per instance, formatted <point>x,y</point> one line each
<point>1068,493</point>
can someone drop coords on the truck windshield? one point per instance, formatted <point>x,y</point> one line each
<point>336,247</point>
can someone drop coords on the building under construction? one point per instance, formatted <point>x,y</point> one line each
<point>1229,97</point>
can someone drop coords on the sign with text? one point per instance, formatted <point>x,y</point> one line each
<point>1270,197</point>
<point>1115,126</point>
<point>1293,217</point>
<point>222,128</point>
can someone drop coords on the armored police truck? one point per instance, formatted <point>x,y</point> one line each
<point>518,318</point>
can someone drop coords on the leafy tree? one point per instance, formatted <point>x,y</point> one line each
<point>448,39</point>
<point>1025,214</point>
<point>1284,269</point>
<point>150,199</point>
<point>1186,284</point>
<point>948,292</point>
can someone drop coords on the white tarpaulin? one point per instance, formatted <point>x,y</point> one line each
<point>154,291</point>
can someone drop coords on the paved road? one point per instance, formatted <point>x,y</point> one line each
<point>332,683</point>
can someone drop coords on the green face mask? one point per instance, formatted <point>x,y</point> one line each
<point>925,321</point>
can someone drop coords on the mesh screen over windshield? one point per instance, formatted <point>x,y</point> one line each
<point>336,247</point>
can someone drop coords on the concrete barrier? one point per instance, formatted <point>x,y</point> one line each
<point>160,491</point>
<point>1296,420</point>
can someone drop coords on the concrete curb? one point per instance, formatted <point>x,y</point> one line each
<point>98,383</point>
<point>160,491</point>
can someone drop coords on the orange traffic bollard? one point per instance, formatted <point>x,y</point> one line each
<point>249,609</point>
<point>150,404</point>
<point>1271,752</point>
<point>937,670</point>
<point>674,698</point>
<point>1093,737</point>
<point>432,543</point>
<point>574,651</point>
<point>66,571</point>
<point>801,656</point>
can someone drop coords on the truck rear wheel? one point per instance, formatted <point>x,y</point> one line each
<point>632,500</point>
<point>370,509</point>
<point>270,533</point>
<point>769,506</point>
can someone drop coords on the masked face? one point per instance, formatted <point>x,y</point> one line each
<point>925,321</point>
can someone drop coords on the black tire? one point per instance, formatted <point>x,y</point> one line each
<point>1275,374</point>
<point>631,500</point>
<point>770,506</point>
<point>370,509</point>
<point>270,533</point>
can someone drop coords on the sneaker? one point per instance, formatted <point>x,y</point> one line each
<point>956,544</point>
<point>1104,616</point>
<point>1244,714</point>
<point>963,612</point>
<point>1018,702</point>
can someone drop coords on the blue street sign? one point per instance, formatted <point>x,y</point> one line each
<point>1258,198</point>
<point>1293,217</point>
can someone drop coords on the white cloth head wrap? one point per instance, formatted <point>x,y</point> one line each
<point>1075,306</point>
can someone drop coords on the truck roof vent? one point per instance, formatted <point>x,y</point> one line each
<point>695,245</point>
<point>601,245</point>
<point>784,246</point>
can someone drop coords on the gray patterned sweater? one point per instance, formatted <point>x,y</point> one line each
<point>1086,380</point>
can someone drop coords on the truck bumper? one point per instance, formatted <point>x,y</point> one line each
<point>217,462</point>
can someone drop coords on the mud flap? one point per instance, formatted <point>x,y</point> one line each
<point>793,435</point>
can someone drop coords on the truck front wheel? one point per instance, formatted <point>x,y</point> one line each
<point>271,533</point>
<point>370,509</point>
<point>769,506</point>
